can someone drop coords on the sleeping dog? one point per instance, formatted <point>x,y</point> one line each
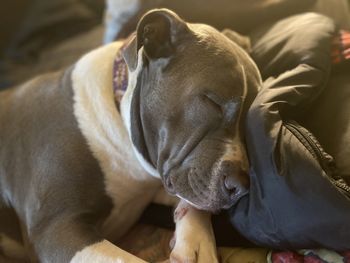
<point>78,170</point>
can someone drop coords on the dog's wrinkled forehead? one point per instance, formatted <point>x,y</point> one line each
<point>210,62</point>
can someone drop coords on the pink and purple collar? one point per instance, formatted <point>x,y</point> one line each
<point>120,76</point>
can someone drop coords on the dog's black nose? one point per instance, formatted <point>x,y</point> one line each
<point>235,179</point>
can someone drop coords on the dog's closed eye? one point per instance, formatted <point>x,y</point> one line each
<point>214,101</point>
<point>228,109</point>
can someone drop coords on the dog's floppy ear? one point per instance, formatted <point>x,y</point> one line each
<point>240,40</point>
<point>158,31</point>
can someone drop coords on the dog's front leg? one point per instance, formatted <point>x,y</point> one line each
<point>194,240</point>
<point>104,252</point>
<point>70,239</point>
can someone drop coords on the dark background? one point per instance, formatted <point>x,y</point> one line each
<point>11,15</point>
<point>52,19</point>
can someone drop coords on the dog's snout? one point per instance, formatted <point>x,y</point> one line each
<point>235,179</point>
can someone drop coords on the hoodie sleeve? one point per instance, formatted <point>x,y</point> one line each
<point>292,192</point>
<point>294,58</point>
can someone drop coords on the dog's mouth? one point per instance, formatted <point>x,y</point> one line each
<point>203,191</point>
<point>213,208</point>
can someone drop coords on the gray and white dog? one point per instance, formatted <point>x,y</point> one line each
<point>78,172</point>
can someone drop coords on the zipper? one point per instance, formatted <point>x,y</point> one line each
<point>340,183</point>
<point>325,160</point>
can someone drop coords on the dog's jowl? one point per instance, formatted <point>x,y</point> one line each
<point>79,170</point>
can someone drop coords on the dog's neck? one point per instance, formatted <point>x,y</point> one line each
<point>105,130</point>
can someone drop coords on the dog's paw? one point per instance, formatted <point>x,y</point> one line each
<point>194,240</point>
<point>194,251</point>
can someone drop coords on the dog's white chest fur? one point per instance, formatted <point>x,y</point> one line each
<point>127,183</point>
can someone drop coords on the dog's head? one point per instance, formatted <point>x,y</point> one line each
<point>189,88</point>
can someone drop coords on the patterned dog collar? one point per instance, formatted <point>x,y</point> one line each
<point>120,76</point>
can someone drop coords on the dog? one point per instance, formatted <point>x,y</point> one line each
<point>79,172</point>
